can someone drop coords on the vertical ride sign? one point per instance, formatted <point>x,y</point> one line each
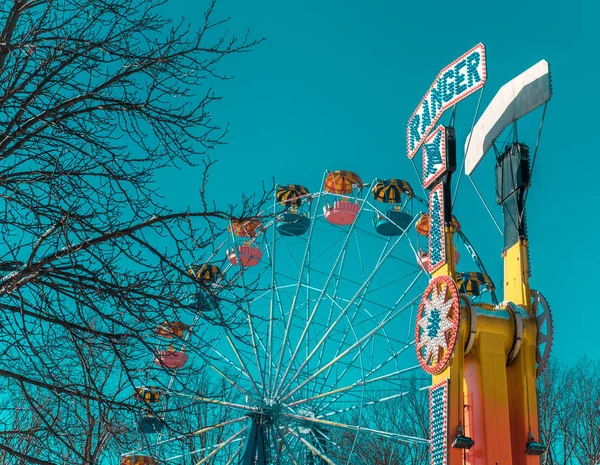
<point>456,81</point>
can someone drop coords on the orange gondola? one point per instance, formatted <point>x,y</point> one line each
<point>343,212</point>
<point>246,252</point>
<point>138,460</point>
<point>342,182</point>
<point>422,225</point>
<point>246,228</point>
<point>170,329</point>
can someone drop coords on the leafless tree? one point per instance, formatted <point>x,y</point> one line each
<point>407,415</point>
<point>586,406</point>
<point>569,403</point>
<point>97,97</point>
<point>555,414</point>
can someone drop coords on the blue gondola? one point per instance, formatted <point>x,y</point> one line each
<point>394,223</point>
<point>203,301</point>
<point>292,224</point>
<point>150,424</point>
<point>396,219</point>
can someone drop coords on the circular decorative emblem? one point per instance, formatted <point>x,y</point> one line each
<point>545,330</point>
<point>436,329</point>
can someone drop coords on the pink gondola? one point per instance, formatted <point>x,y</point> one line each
<point>170,358</point>
<point>341,213</point>
<point>247,255</point>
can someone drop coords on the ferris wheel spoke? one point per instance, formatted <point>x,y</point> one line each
<point>364,286</point>
<point>196,451</point>
<point>385,434</point>
<point>221,446</point>
<point>330,440</point>
<point>351,347</point>
<point>349,365</point>
<point>243,365</point>
<point>230,381</point>
<point>373,303</point>
<point>372,403</point>
<point>334,304</point>
<point>394,354</point>
<point>353,385</point>
<point>286,445</point>
<point>208,400</point>
<point>288,345</point>
<point>193,433</point>
<point>377,368</point>
<point>233,365</point>
<point>253,343</point>
<point>275,299</point>
<point>395,282</point>
<point>235,454</point>
<point>269,350</point>
<point>319,299</point>
<point>329,327</point>
<point>206,429</point>
<point>346,333</point>
<point>291,255</point>
<point>310,447</point>
<point>298,287</point>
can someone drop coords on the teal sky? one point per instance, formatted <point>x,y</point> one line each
<point>333,87</point>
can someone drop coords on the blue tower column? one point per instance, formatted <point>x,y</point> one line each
<point>254,451</point>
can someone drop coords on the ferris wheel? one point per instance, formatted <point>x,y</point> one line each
<point>325,356</point>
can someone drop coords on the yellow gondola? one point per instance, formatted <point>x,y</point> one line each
<point>470,282</point>
<point>293,221</point>
<point>148,394</point>
<point>422,225</point>
<point>292,195</point>
<point>206,272</point>
<point>391,190</point>
<point>397,218</point>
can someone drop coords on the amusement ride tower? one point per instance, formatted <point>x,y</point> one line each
<point>484,358</point>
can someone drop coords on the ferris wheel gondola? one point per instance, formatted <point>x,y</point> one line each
<point>397,217</point>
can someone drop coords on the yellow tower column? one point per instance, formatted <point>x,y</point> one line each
<point>489,392</point>
<point>521,373</point>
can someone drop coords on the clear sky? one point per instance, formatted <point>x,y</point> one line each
<point>335,82</point>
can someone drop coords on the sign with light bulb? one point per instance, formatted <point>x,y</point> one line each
<point>456,81</point>
<point>439,155</point>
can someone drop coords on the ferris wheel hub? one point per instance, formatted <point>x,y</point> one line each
<point>306,427</point>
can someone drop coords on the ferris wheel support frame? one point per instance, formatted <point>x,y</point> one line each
<point>291,407</point>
